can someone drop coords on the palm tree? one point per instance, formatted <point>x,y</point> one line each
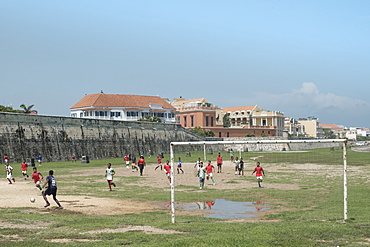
<point>25,108</point>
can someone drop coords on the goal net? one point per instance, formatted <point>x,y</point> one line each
<point>307,176</point>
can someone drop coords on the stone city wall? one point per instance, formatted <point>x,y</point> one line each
<point>273,147</point>
<point>24,136</point>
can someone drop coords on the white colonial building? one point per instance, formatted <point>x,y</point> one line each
<point>123,107</point>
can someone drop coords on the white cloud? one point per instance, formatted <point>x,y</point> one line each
<point>310,101</point>
<point>310,95</point>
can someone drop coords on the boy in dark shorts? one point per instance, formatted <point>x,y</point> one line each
<point>51,189</point>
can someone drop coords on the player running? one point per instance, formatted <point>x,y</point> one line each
<point>241,167</point>
<point>127,160</point>
<point>201,174</point>
<point>37,176</point>
<point>51,190</point>
<point>24,169</point>
<point>133,163</point>
<point>109,173</point>
<point>259,173</point>
<point>219,163</point>
<point>9,172</point>
<point>167,169</point>
<point>159,163</point>
<point>179,166</point>
<point>141,163</point>
<point>209,169</point>
<point>236,161</point>
<point>197,165</point>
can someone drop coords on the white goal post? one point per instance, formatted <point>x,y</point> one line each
<point>206,143</point>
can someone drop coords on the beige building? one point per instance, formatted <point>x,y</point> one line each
<point>312,127</point>
<point>228,122</point>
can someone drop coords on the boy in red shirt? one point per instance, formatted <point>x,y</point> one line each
<point>167,169</point>
<point>141,164</point>
<point>24,169</point>
<point>219,163</point>
<point>37,176</point>
<point>259,173</point>
<point>127,161</point>
<point>209,170</point>
<point>159,162</point>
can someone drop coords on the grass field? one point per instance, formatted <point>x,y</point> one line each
<point>304,190</point>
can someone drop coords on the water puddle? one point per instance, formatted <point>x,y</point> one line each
<point>225,209</point>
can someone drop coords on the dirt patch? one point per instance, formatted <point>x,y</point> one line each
<point>19,193</point>
<point>144,229</point>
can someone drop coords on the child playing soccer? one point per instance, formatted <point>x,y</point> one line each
<point>24,169</point>
<point>159,163</point>
<point>241,167</point>
<point>127,160</point>
<point>51,190</point>
<point>259,173</point>
<point>109,173</point>
<point>219,163</point>
<point>201,174</point>
<point>236,161</point>
<point>179,166</point>
<point>37,176</point>
<point>209,169</point>
<point>9,172</point>
<point>133,163</point>
<point>167,169</point>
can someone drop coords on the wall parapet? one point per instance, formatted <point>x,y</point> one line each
<point>57,138</point>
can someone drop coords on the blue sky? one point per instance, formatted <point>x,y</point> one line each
<point>304,58</point>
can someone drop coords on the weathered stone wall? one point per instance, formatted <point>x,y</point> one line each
<point>24,136</point>
<point>277,146</point>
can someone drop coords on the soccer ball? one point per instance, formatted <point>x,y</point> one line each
<point>32,199</point>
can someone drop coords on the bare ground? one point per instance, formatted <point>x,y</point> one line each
<point>19,193</point>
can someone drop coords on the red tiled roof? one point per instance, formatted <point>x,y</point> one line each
<point>133,109</point>
<point>239,108</point>
<point>120,100</point>
<point>331,126</point>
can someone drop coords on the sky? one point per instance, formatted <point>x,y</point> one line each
<point>303,58</point>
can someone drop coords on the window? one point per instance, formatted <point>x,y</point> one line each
<point>192,121</point>
<point>207,120</point>
<point>132,114</point>
<point>73,115</point>
<point>212,121</point>
<point>184,121</point>
<point>219,134</point>
<point>158,114</point>
<point>227,134</point>
<point>81,114</point>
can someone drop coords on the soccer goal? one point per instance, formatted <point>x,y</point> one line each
<point>305,154</point>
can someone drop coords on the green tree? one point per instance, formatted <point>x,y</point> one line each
<point>264,135</point>
<point>226,120</point>
<point>329,134</point>
<point>148,118</point>
<point>201,132</point>
<point>26,109</point>
<point>250,135</point>
<point>9,109</point>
